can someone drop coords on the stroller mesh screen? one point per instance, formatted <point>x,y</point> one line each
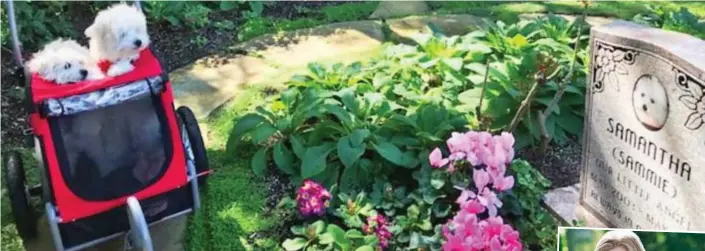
<point>113,151</point>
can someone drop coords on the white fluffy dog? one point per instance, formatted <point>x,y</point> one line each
<point>64,62</point>
<point>117,35</point>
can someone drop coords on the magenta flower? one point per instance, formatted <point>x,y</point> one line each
<point>379,225</point>
<point>312,199</point>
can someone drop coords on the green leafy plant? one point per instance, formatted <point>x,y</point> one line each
<point>38,23</point>
<point>322,236</point>
<point>388,198</point>
<point>176,13</point>
<point>354,212</point>
<point>681,20</point>
<point>524,208</point>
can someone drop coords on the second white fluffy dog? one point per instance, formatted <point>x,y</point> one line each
<point>117,35</point>
<point>64,62</point>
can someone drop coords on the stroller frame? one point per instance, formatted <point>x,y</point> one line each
<point>138,232</point>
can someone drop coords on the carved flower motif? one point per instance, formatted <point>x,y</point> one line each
<point>610,63</point>
<point>694,100</point>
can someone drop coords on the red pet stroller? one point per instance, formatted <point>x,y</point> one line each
<point>115,156</point>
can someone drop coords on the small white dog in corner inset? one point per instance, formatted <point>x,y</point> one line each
<point>117,36</point>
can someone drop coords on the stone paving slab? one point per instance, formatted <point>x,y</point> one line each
<point>564,203</point>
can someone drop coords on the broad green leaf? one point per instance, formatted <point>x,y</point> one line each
<point>354,234</point>
<point>298,230</point>
<point>288,97</point>
<point>428,64</point>
<point>259,162</point>
<point>338,235</point>
<point>471,96</point>
<point>317,69</point>
<point>267,113</point>
<point>294,244</point>
<point>477,68</point>
<point>348,153</point>
<point>415,240</point>
<point>571,123</point>
<point>454,63</point>
<point>381,79</point>
<point>297,146</point>
<point>284,158</point>
<point>263,132</point>
<point>344,116</point>
<point>243,126</point>
<point>390,152</point>
<point>314,161</point>
<point>325,238</point>
<point>318,226</point>
<point>551,125</point>
<point>365,248</point>
<point>348,97</point>
<point>358,136</point>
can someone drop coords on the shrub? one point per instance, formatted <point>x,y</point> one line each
<point>681,20</point>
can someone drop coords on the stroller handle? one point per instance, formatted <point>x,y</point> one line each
<point>12,21</point>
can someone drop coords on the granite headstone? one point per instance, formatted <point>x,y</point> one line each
<point>644,150</point>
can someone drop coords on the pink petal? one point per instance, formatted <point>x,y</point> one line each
<point>436,158</point>
<point>507,140</point>
<point>481,179</point>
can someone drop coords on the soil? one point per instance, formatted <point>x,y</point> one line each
<point>560,164</point>
<point>172,45</point>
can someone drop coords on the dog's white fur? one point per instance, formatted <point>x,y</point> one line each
<point>63,62</point>
<point>118,34</point>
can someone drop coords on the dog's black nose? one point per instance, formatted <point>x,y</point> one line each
<point>138,43</point>
<point>84,73</point>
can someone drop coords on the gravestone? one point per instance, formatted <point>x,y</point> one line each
<point>644,153</point>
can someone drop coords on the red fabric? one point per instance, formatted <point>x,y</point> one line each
<point>104,65</point>
<point>146,66</point>
<point>72,207</point>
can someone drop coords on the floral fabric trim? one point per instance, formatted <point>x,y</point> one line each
<point>102,98</point>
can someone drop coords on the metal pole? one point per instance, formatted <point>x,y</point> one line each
<point>138,5</point>
<point>16,51</point>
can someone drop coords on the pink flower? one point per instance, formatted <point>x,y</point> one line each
<point>503,183</point>
<point>481,178</point>
<point>458,142</point>
<point>379,225</point>
<point>312,199</point>
<point>489,199</point>
<point>436,158</point>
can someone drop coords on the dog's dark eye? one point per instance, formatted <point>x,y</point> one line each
<point>67,65</point>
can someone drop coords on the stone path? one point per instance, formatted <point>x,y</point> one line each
<point>273,59</point>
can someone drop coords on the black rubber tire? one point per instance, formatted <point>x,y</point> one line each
<point>22,211</point>
<point>194,135</point>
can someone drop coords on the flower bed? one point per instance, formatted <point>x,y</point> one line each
<point>412,150</point>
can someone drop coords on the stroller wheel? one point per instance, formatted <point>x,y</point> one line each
<point>22,212</point>
<point>194,135</point>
